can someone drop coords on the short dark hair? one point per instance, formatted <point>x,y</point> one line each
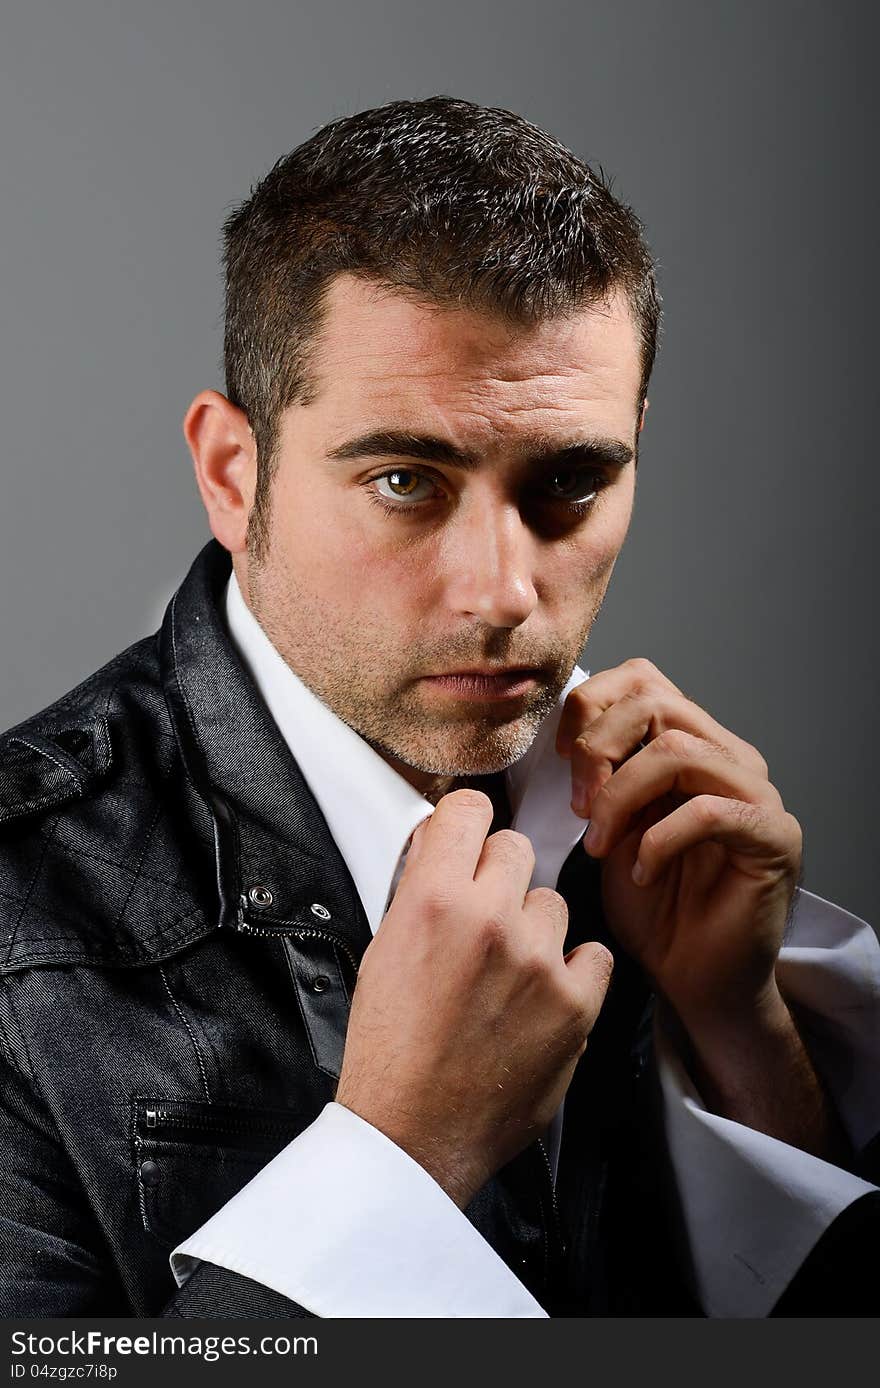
<point>454,203</point>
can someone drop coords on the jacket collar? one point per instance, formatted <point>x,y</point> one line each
<point>270,838</point>
<point>136,857</point>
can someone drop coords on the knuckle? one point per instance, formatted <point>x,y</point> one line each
<point>646,703</point>
<point>550,902</point>
<point>641,667</point>
<point>676,742</point>
<point>756,759</point>
<point>646,678</point>
<point>512,846</point>
<point>704,809</point>
<point>770,796</point>
<point>579,696</point>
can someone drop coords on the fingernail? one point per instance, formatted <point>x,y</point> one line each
<point>638,873</point>
<point>592,837</point>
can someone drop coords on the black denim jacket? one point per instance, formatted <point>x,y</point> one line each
<point>171,893</point>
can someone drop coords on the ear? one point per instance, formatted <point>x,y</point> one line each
<point>642,415</point>
<point>224,455</point>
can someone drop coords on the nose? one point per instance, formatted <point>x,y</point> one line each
<point>490,559</point>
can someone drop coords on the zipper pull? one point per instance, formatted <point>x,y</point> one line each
<point>152,1118</point>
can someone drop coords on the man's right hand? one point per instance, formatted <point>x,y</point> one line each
<point>467,1020</point>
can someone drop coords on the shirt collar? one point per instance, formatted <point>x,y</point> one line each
<point>370,809</point>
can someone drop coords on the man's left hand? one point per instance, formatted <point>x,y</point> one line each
<point>700,857</point>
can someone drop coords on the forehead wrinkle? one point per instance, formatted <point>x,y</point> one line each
<point>444,365</point>
<point>483,426</point>
<point>543,399</point>
<point>433,372</point>
<point>523,392</point>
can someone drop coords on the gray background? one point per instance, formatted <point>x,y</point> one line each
<point>742,134</point>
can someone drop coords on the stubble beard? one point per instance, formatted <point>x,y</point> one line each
<point>472,742</point>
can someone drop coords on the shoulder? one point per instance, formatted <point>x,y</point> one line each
<point>89,850</point>
<point>60,753</point>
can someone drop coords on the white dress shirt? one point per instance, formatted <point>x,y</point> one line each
<point>345,1223</point>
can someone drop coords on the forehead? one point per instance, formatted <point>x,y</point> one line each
<point>381,357</point>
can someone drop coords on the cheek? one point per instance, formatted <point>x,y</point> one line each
<point>343,567</point>
<point>313,532</point>
<point>612,525</point>
<point>590,556</point>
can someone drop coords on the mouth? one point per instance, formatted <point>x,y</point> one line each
<point>486,684</point>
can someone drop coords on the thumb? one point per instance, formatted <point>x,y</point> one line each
<point>590,967</point>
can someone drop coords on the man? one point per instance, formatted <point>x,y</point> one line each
<point>440,329</point>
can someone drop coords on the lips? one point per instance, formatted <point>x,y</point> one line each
<point>488,672</point>
<point>483,684</point>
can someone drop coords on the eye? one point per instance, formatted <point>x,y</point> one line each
<point>574,485</point>
<point>404,485</point>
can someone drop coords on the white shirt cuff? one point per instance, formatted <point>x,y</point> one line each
<point>754,1207</point>
<point>829,969</point>
<point>345,1223</point>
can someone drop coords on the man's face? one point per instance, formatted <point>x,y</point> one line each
<point>453,500</point>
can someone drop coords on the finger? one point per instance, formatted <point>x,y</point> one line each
<point>590,698</point>
<point>755,831</point>
<point>589,969</point>
<point>451,841</point>
<point>675,761</point>
<point>547,910</point>
<point>505,867</point>
<point>639,718</point>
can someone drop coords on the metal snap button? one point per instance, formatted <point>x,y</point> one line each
<point>260,897</point>
<point>150,1173</point>
<point>320,984</point>
<point>320,911</point>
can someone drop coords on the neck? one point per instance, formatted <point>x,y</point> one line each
<point>431,786</point>
<point>434,787</point>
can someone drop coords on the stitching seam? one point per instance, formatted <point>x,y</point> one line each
<point>192,1036</point>
<point>42,752</point>
<point>24,905</point>
<point>137,871</point>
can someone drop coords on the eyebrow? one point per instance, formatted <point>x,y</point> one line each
<point>393,443</point>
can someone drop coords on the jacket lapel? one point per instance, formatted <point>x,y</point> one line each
<point>276,862</point>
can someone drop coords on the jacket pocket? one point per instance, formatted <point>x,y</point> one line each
<point>191,1156</point>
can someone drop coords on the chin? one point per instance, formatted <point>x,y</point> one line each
<point>494,754</point>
